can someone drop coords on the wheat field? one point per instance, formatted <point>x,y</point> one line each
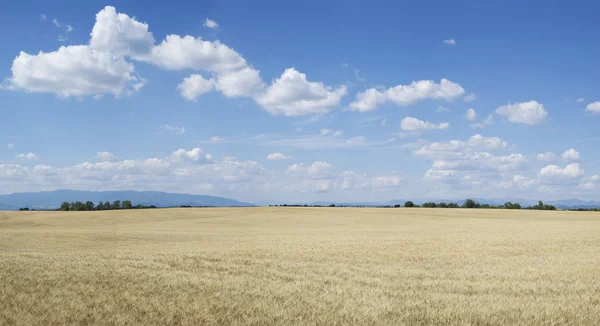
<point>300,266</point>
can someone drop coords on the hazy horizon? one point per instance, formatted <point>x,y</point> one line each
<point>302,102</point>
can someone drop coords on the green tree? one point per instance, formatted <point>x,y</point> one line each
<point>65,206</point>
<point>89,206</point>
<point>127,204</point>
<point>430,205</point>
<point>452,205</point>
<point>442,205</point>
<point>409,204</point>
<point>100,206</point>
<point>470,203</point>
<point>106,205</point>
<point>116,204</point>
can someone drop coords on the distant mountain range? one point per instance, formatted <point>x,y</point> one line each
<point>53,199</point>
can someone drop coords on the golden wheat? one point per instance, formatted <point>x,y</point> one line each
<point>304,266</point>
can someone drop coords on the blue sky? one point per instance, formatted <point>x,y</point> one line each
<point>282,101</point>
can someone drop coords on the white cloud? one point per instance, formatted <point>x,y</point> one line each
<point>244,82</point>
<point>581,99</point>
<point>530,113</point>
<point>293,95</point>
<point>210,23</point>
<point>383,122</point>
<point>43,17</point>
<point>179,53</point>
<point>553,174</point>
<point>387,181</point>
<point>28,156</point>
<point>333,133</point>
<point>216,139</point>
<point>450,42</point>
<point>120,34</point>
<point>475,170</point>
<point>324,139</point>
<point>548,156</point>
<point>517,181</point>
<point>407,94</point>
<point>316,171</point>
<point>593,107</point>
<point>489,120</point>
<point>413,124</point>
<point>278,156</point>
<point>368,100</point>
<point>442,109</point>
<point>571,155</point>
<point>10,146</point>
<point>74,71</point>
<point>470,98</point>
<point>195,155</point>
<point>591,183</point>
<point>65,27</point>
<point>461,149</point>
<point>106,157</point>
<point>194,86</point>
<point>101,67</point>
<point>175,129</point>
<point>471,115</point>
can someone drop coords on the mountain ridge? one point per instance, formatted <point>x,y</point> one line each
<point>53,199</point>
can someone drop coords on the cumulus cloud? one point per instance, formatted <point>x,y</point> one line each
<point>474,169</point>
<point>471,115</point>
<point>106,157</point>
<point>101,67</point>
<point>553,174</point>
<point>175,129</point>
<point>591,183</point>
<point>120,35</point>
<point>530,113</point>
<point>74,71</point>
<point>471,163</point>
<point>195,155</point>
<point>450,42</point>
<point>407,94</point>
<point>571,155</point>
<point>292,94</point>
<point>547,156</point>
<point>414,124</point>
<point>278,157</point>
<point>460,149</point>
<point>194,86</point>
<point>179,53</point>
<point>29,156</point>
<point>593,107</point>
<point>210,23</point>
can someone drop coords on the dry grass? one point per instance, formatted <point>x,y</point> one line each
<point>308,266</point>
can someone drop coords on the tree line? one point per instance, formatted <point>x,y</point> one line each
<point>90,206</point>
<point>470,203</point>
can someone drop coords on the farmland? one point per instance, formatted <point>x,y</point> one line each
<point>307,266</point>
